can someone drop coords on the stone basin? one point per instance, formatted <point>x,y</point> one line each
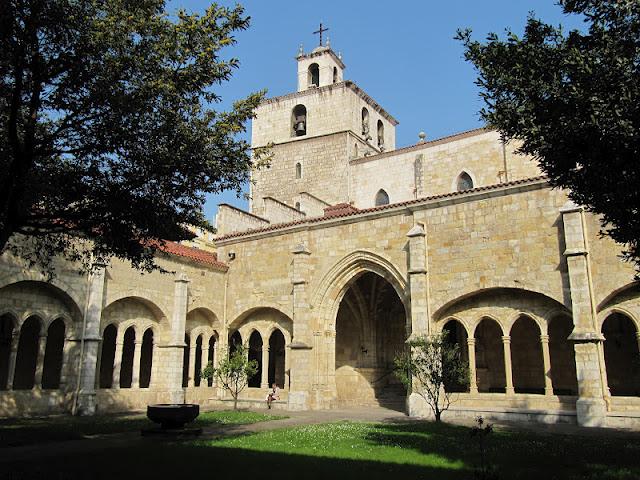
<point>173,415</point>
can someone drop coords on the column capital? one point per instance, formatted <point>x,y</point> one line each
<point>416,231</point>
<point>300,249</point>
<point>506,339</point>
<point>181,278</point>
<point>544,338</point>
<point>471,341</point>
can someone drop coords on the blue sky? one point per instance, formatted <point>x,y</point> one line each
<point>402,53</point>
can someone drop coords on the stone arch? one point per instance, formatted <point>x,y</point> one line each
<point>621,354</point>
<point>255,345</point>
<point>155,307</point>
<point>185,360</point>
<point>526,356</point>
<point>313,75</point>
<point>463,182</point>
<point>562,355</point>
<point>27,354</point>
<point>380,131</point>
<point>335,74</point>
<point>54,354</point>
<point>455,332</point>
<point>107,355</point>
<point>617,296</point>
<point>146,357</point>
<point>126,364</point>
<point>261,318</point>
<point>298,170</point>
<point>602,317</point>
<point>382,198</point>
<point>69,295</point>
<point>490,367</point>
<point>299,121</point>
<point>277,354</point>
<point>365,121</point>
<point>336,281</point>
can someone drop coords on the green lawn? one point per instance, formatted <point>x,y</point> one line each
<point>25,431</point>
<point>355,450</point>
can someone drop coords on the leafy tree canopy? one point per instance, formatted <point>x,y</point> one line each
<point>572,100</point>
<point>108,138</point>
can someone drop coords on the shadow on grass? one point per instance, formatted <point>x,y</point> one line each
<point>521,453</point>
<point>183,460</point>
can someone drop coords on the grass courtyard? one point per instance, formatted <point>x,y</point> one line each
<point>350,450</point>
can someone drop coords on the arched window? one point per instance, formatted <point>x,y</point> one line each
<point>314,75</point>
<point>298,170</point>
<point>276,359</point>
<point>27,356</point>
<point>235,341</point>
<point>297,205</point>
<point>380,135</point>
<point>382,198</point>
<point>335,74</point>
<point>255,353</point>
<point>299,121</point>
<point>464,182</point>
<point>126,367</point>
<point>107,356</point>
<point>197,368</point>
<point>355,150</point>
<point>146,359</point>
<point>6,337</point>
<point>185,361</point>
<point>365,121</point>
<point>211,359</point>
<point>53,353</point>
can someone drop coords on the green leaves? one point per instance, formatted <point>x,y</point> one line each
<point>233,371</point>
<point>572,101</point>
<point>107,131</point>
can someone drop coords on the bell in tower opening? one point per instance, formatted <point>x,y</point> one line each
<point>299,121</point>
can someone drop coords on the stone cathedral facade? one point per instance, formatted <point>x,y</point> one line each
<point>350,247</point>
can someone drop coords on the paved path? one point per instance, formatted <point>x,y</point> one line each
<point>360,414</point>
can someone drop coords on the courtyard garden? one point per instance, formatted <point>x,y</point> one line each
<point>402,449</point>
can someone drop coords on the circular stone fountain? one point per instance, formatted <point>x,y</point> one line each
<point>172,418</point>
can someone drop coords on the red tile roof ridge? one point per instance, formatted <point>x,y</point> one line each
<point>195,254</point>
<point>279,226</point>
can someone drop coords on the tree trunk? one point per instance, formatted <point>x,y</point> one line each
<point>438,414</point>
<point>235,402</point>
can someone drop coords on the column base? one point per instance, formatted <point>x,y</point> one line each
<point>591,412</point>
<point>510,391</point>
<point>86,405</point>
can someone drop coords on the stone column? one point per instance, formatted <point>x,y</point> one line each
<point>90,342</point>
<point>546,359</point>
<point>155,351</point>
<point>15,338</point>
<point>420,324</point>
<point>590,368</point>
<point>264,381</point>
<point>192,363</point>
<point>169,373</point>
<point>473,383</point>
<point>42,345</point>
<point>137,351</point>
<point>309,372</point>
<point>506,343</point>
<point>117,358</point>
<point>204,361</point>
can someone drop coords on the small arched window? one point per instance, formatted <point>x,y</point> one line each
<point>299,121</point>
<point>365,121</point>
<point>314,75</point>
<point>380,135</point>
<point>298,170</point>
<point>464,182</point>
<point>382,198</point>
<point>355,150</point>
<point>297,205</point>
<point>335,74</point>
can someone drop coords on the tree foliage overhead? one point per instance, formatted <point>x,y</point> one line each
<point>572,98</point>
<point>108,138</point>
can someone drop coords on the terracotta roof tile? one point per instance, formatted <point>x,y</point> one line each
<point>195,254</point>
<point>355,212</point>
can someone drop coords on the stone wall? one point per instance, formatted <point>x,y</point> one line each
<point>230,219</point>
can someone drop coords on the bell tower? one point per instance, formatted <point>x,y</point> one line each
<point>319,68</point>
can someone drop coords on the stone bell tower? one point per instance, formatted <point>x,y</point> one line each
<point>314,133</point>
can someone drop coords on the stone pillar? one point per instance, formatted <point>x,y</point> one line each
<point>169,373</point>
<point>192,363</point>
<point>310,370</point>
<point>90,342</point>
<point>420,322</point>
<point>42,345</point>
<point>15,338</point>
<point>117,359</point>
<point>137,351</point>
<point>204,361</point>
<point>546,360</point>
<point>264,381</point>
<point>590,368</point>
<point>473,383</point>
<point>155,351</point>
<point>506,343</point>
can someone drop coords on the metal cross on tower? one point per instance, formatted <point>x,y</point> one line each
<point>320,30</point>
